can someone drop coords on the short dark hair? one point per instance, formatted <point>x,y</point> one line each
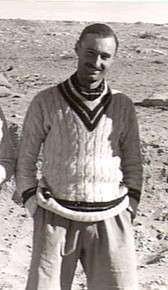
<point>102,30</point>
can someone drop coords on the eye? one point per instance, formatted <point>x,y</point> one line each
<point>90,53</point>
<point>105,56</point>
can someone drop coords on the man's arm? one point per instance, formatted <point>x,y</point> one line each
<point>33,135</point>
<point>131,158</point>
<point>7,154</point>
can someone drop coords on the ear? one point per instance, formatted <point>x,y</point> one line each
<point>77,45</point>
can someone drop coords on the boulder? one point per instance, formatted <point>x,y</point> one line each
<point>4,82</point>
<point>154,100</point>
<point>6,89</point>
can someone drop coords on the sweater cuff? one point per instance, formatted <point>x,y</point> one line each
<point>134,193</point>
<point>134,198</point>
<point>28,193</point>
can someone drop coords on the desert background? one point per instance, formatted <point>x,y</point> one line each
<point>35,54</point>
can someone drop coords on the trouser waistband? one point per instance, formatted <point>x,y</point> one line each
<point>86,206</point>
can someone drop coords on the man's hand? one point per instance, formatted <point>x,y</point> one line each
<point>2,174</point>
<point>31,206</point>
<point>132,208</point>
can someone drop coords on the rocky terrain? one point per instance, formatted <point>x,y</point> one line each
<point>37,54</point>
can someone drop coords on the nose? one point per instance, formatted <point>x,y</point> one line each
<point>98,63</point>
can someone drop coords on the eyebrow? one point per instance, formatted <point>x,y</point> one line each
<point>102,53</point>
<point>106,54</point>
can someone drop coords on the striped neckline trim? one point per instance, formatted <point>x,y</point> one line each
<point>90,117</point>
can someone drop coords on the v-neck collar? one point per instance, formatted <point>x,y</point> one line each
<point>90,117</point>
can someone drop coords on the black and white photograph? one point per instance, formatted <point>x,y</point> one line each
<point>83,145</point>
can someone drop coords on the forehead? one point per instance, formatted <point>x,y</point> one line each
<point>96,42</point>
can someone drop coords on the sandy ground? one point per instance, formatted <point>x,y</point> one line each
<point>37,54</point>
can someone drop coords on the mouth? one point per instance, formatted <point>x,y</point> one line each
<point>93,70</point>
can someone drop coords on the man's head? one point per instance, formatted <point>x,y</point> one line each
<point>96,48</point>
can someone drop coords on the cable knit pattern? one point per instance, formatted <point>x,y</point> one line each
<point>84,168</point>
<point>79,164</point>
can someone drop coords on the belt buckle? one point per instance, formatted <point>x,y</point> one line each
<point>77,203</point>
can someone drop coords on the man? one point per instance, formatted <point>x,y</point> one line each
<point>7,156</point>
<point>91,177</point>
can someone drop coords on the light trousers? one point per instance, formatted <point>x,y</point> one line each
<point>106,251</point>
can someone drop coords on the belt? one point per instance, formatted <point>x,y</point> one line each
<point>86,206</point>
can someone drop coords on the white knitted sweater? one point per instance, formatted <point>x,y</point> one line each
<point>79,164</point>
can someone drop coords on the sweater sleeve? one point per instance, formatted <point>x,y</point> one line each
<point>130,153</point>
<point>7,154</point>
<point>33,135</point>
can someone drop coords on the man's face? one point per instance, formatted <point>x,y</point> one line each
<point>95,56</point>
